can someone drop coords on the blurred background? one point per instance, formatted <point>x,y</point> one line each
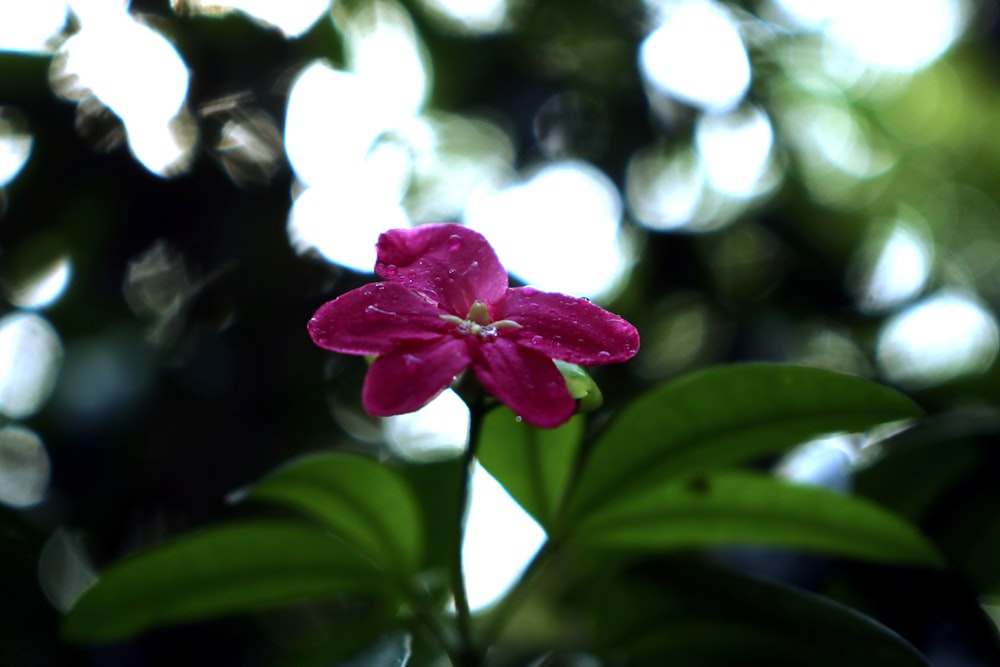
<point>182,184</point>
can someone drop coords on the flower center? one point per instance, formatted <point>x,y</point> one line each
<point>477,322</point>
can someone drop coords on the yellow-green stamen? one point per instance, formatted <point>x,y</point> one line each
<point>477,322</point>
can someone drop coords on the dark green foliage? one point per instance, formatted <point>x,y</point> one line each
<point>725,416</point>
<point>703,615</point>
<point>220,571</point>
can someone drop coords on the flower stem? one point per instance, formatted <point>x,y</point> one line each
<point>468,656</point>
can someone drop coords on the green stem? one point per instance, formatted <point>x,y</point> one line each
<point>468,656</point>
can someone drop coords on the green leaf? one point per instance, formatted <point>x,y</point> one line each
<point>533,464</point>
<point>220,571</point>
<point>696,614</point>
<point>367,504</point>
<point>726,415</point>
<point>737,508</point>
<point>436,487</point>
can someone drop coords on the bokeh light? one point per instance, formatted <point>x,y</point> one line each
<point>696,56</point>
<point>339,137</point>
<point>384,50</point>
<point>664,188</point>
<point>291,18</point>
<point>158,286</point>
<point>889,34</point>
<point>352,193</point>
<point>469,16</point>
<point>836,149</point>
<point>136,73</point>
<point>342,221</point>
<point>825,462</point>
<point>559,230</point>
<point>945,336</point>
<point>43,286</point>
<point>500,540</point>
<point>250,148</point>
<point>24,467</point>
<point>15,143</point>
<point>436,432</point>
<point>30,355</point>
<point>31,27</point>
<point>894,269</point>
<point>453,157</point>
<point>735,148</point>
<point>333,118</point>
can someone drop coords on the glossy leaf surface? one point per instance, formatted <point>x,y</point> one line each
<point>364,502</point>
<point>735,508</point>
<point>727,415</point>
<point>216,572</point>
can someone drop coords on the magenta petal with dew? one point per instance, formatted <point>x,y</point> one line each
<point>567,328</point>
<point>407,378</point>
<point>375,319</point>
<point>450,263</point>
<point>527,382</point>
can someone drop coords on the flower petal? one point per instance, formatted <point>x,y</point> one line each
<point>450,263</point>
<point>407,378</point>
<point>375,319</point>
<point>564,327</point>
<point>526,381</point>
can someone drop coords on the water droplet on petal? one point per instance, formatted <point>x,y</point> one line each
<point>391,270</point>
<point>380,286</point>
<point>533,306</point>
<point>368,292</point>
<point>604,353</point>
<point>530,291</point>
<point>537,340</point>
<point>557,340</point>
<point>454,242</point>
<point>374,311</point>
<point>518,419</point>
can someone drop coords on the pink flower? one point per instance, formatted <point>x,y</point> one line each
<point>444,306</point>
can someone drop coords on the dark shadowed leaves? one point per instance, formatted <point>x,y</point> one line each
<point>220,571</point>
<point>943,476</point>
<point>698,615</point>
